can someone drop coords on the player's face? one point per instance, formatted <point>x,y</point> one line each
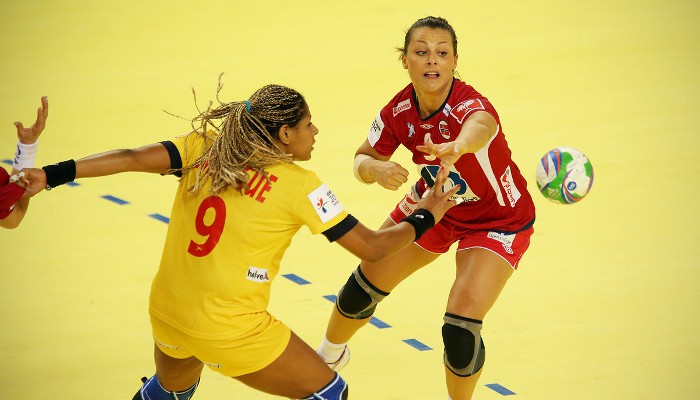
<point>301,138</point>
<point>430,60</point>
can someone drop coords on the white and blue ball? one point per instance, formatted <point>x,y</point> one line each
<point>564,175</point>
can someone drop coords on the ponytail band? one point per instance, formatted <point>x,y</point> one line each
<point>247,105</point>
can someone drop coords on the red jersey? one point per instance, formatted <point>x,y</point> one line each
<point>10,194</point>
<point>494,190</point>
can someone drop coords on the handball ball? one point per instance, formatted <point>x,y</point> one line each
<point>564,175</point>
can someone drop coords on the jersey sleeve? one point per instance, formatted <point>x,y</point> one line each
<point>464,109</point>
<point>318,208</point>
<point>381,136</point>
<point>183,150</point>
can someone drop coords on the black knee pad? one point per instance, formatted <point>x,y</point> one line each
<point>464,348</point>
<point>358,298</point>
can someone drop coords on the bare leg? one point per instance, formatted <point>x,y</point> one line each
<point>385,275</point>
<point>297,373</point>
<point>481,276</point>
<point>174,374</point>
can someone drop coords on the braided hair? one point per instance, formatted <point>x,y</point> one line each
<point>242,135</point>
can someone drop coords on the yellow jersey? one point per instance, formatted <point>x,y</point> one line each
<point>223,251</point>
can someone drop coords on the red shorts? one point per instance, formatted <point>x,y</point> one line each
<point>510,246</point>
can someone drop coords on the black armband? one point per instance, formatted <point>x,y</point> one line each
<point>60,173</point>
<point>340,229</point>
<point>422,220</point>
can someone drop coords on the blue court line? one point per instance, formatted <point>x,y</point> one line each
<point>418,345</point>
<point>379,323</point>
<point>500,389</point>
<point>115,199</point>
<point>159,217</point>
<point>296,279</point>
<point>331,297</point>
<point>374,320</point>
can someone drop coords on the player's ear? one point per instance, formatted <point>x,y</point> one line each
<point>284,134</point>
<point>403,61</point>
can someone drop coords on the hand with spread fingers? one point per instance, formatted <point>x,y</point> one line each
<point>435,200</point>
<point>448,152</point>
<point>31,135</point>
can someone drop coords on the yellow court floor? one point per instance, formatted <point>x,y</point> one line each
<point>606,304</point>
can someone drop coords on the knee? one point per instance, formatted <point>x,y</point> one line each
<point>176,373</point>
<point>359,297</point>
<point>464,348</point>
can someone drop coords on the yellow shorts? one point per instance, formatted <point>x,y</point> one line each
<point>264,343</point>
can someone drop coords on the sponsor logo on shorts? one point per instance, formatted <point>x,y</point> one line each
<point>401,107</point>
<point>326,204</point>
<point>465,108</point>
<point>504,238</point>
<point>256,274</point>
<point>512,192</point>
<point>508,249</point>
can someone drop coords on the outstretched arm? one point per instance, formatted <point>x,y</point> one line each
<point>475,133</point>
<point>373,246</point>
<point>152,158</point>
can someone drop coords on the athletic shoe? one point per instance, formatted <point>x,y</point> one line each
<point>137,396</point>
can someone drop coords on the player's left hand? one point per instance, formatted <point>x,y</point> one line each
<point>31,134</point>
<point>448,153</point>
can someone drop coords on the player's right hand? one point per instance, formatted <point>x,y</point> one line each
<point>33,181</point>
<point>435,200</point>
<point>389,174</point>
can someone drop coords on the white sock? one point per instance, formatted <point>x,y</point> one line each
<point>330,351</point>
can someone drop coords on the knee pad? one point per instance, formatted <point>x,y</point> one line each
<point>464,348</point>
<point>336,390</point>
<point>358,298</point>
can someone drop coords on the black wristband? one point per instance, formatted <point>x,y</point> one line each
<point>422,220</point>
<point>60,173</point>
